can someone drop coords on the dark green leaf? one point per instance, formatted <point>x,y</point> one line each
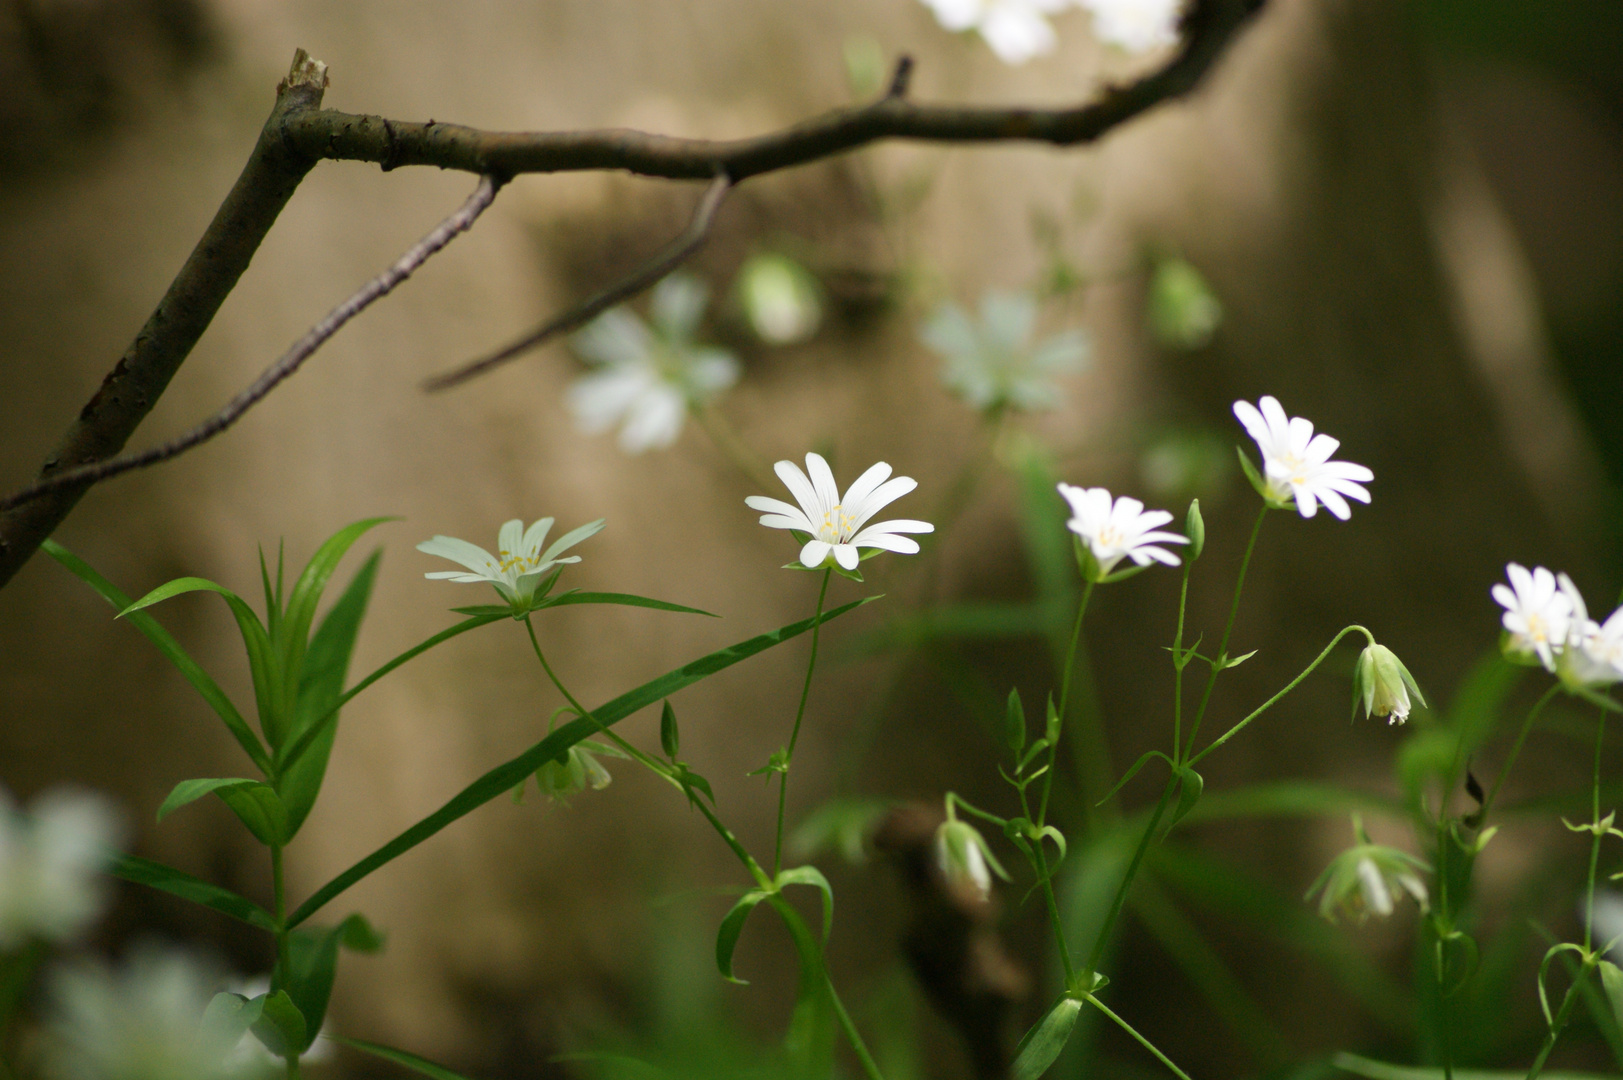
<point>1611,980</point>
<point>482,610</point>
<point>1042,1044</point>
<point>321,685</point>
<point>670,739</point>
<point>400,1057</point>
<point>1381,1070</point>
<point>732,926</point>
<point>200,679</point>
<point>1190,785</point>
<point>189,791</point>
<point>509,775</point>
<point>312,962</point>
<point>254,803</point>
<point>307,590</point>
<point>1014,723</point>
<point>810,875</point>
<point>179,883</point>
<point>625,599</point>
<point>281,1027</point>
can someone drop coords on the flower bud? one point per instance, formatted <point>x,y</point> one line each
<point>1367,879</point>
<point>780,298</point>
<point>963,857</point>
<point>578,770</point>
<point>1384,684</point>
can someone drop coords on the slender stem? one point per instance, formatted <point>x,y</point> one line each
<point>1228,628</point>
<point>869,1066</point>
<point>800,714</point>
<point>1178,664</point>
<point>1521,737</point>
<point>1064,699</point>
<point>1142,1041</point>
<point>737,846</point>
<point>1265,706</point>
<point>279,906</point>
<point>631,751</point>
<point>732,446</point>
<point>1560,1022</point>
<point>1047,881</point>
<point>1120,900</point>
<point>1594,847</point>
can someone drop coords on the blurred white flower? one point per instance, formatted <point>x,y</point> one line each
<point>141,1022</point>
<point>1017,30</point>
<point>1296,463</point>
<point>1608,925</point>
<point>831,527</point>
<point>250,1056</point>
<point>1591,653</point>
<point>1537,614</point>
<point>1135,25</point>
<point>51,865</point>
<point>579,770</point>
<point>649,376</point>
<point>1115,530</point>
<point>962,856</point>
<point>780,298</point>
<point>519,565</point>
<point>1384,684</point>
<point>1366,879</point>
<point>996,363</point>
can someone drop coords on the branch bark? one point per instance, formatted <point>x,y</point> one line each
<point>299,133</point>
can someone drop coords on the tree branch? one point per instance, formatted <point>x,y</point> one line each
<point>669,258</point>
<point>285,365</point>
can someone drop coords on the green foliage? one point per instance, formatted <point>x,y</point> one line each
<point>1041,1045</point>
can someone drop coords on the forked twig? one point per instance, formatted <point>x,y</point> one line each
<point>286,365</point>
<point>669,258</point>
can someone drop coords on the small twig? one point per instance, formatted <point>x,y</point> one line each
<point>286,365</point>
<point>669,258</point>
<point>902,76</point>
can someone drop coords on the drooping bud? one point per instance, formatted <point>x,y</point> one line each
<point>1367,879</point>
<point>1384,684</point>
<point>963,857</point>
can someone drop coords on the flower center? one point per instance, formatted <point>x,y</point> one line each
<point>836,527</point>
<point>1110,537</point>
<point>1537,629</point>
<point>519,563</point>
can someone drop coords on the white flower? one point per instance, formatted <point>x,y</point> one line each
<point>832,527</point>
<point>1537,614</point>
<point>1296,463</point>
<point>51,864</point>
<point>1592,654</point>
<point>138,1023</point>
<point>1366,879</point>
<point>1116,530</point>
<point>1384,684</point>
<point>995,364</point>
<point>962,856</point>
<point>519,565</point>
<point>1017,30</point>
<point>649,376</point>
<point>1135,25</point>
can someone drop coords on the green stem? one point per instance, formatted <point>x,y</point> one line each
<point>279,906</point>
<point>1594,847</point>
<point>630,751</point>
<point>1142,1041</point>
<point>794,735</point>
<point>869,1066</point>
<point>1047,882</point>
<point>1120,900</point>
<point>1228,628</point>
<point>1265,706</point>
<point>1560,1022</point>
<point>1521,737</point>
<point>1064,699</point>
<point>1177,670</point>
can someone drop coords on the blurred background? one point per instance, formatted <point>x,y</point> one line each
<point>1405,220</point>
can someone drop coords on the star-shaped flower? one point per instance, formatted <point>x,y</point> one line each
<point>1017,30</point>
<point>1112,531</point>
<point>996,364</point>
<point>1296,465</point>
<point>519,566</point>
<point>649,376</point>
<point>1537,614</point>
<point>1592,654</point>
<point>831,528</point>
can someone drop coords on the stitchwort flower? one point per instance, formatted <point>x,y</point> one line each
<point>1384,684</point>
<point>996,364</point>
<point>1111,531</point>
<point>649,375</point>
<point>1592,655</point>
<point>1367,878</point>
<point>519,568</point>
<point>1537,613</point>
<point>831,528</point>
<point>1017,30</point>
<point>1296,465</point>
<point>51,864</point>
<point>962,856</point>
<point>578,770</point>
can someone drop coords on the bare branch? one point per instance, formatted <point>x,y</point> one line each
<point>669,258</point>
<point>289,362</point>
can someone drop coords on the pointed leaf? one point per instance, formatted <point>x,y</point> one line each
<point>281,1027</point>
<point>306,594</point>
<point>1051,728</point>
<point>1251,475</point>
<point>255,804</point>
<point>189,791</point>
<point>670,739</point>
<point>1611,980</point>
<point>731,927</point>
<point>624,599</point>
<point>810,875</point>
<point>312,962</point>
<point>505,777</point>
<point>400,1057</point>
<point>179,883</point>
<point>1042,1044</point>
<point>1194,527</point>
<point>1238,660</point>
<point>200,679</point>
<point>1143,760</point>
<point>1190,785</point>
<point>1014,723</point>
<point>321,685</point>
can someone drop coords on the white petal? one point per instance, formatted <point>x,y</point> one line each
<point>881,497</point>
<point>887,541</point>
<point>677,305</point>
<point>655,420</point>
<point>847,555</point>
<point>858,492</point>
<point>573,537</point>
<point>510,539</point>
<point>822,479</point>
<point>815,553</point>
<point>472,556</point>
<point>777,508</point>
<point>535,536</point>
<point>614,338</point>
<point>896,525</point>
<point>599,400</point>
<point>800,488</point>
<point>1017,32</point>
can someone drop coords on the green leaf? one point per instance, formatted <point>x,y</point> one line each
<point>200,679</point>
<point>254,803</point>
<point>1051,728</point>
<point>1611,980</point>
<point>1251,475</point>
<point>505,777</point>
<point>1380,1070</point>
<point>1190,785</point>
<point>810,875</point>
<point>321,685</point>
<point>312,962</point>
<point>670,739</point>
<point>1194,526</point>
<point>306,594</point>
<point>1238,660</point>
<point>281,1027</point>
<point>1042,1044</point>
<point>400,1057</point>
<point>225,1021</point>
<point>263,663</point>
<point>624,599</point>
<point>1143,760</point>
<point>1014,723</point>
<point>731,927</point>
<point>179,883</point>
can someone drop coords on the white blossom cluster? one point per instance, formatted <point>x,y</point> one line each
<point>1018,30</point>
<point>1546,618</point>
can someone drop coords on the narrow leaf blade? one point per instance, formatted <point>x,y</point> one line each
<point>400,1057</point>
<point>1043,1043</point>
<point>179,883</point>
<point>731,927</point>
<point>625,600</point>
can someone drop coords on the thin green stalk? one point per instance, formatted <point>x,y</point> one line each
<point>869,1066</point>
<point>794,735</point>
<point>1560,1022</point>
<point>1064,700</point>
<point>1521,737</point>
<point>1047,881</point>
<point>1228,629</point>
<point>279,907</point>
<point>1099,943</point>
<point>736,845</point>
<point>1265,706</point>
<point>1142,1041</point>
<point>1177,669</point>
<point>1594,847</point>
<point>609,733</point>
